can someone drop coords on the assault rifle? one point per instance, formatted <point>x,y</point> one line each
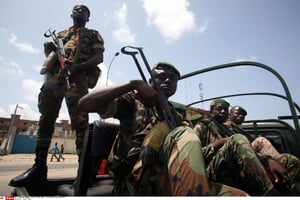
<point>62,58</point>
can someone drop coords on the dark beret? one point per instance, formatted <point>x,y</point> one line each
<point>239,108</point>
<point>218,101</point>
<point>179,106</point>
<point>195,117</point>
<point>83,7</point>
<point>165,65</point>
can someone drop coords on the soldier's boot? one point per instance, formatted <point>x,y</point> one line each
<point>37,173</point>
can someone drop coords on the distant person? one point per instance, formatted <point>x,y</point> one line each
<point>54,151</point>
<point>61,152</point>
<point>84,51</point>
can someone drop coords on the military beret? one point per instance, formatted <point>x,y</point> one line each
<point>84,7</point>
<point>218,101</point>
<point>179,106</point>
<point>165,65</point>
<point>195,117</point>
<point>238,108</point>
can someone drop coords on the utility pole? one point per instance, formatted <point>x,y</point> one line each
<point>9,136</point>
<point>201,93</point>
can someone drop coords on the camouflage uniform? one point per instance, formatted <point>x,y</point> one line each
<point>235,163</point>
<point>54,89</point>
<point>180,150</point>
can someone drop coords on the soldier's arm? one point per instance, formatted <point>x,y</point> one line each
<point>90,63</point>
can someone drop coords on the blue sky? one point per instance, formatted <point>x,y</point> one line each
<point>191,34</point>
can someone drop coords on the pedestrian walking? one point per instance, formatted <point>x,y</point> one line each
<point>61,152</point>
<point>54,151</point>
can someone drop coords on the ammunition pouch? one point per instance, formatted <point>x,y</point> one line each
<point>156,135</point>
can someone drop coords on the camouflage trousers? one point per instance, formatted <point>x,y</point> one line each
<point>49,103</point>
<point>236,164</point>
<point>263,146</point>
<point>183,157</point>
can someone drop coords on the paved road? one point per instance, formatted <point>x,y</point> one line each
<point>14,164</point>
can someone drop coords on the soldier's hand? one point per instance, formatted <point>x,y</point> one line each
<point>218,143</point>
<point>146,94</point>
<point>49,47</point>
<point>277,169</point>
<point>72,68</point>
<point>148,155</point>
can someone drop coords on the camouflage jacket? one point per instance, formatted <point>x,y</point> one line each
<point>135,122</point>
<point>79,44</point>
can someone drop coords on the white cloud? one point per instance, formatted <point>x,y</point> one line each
<point>104,80</point>
<point>10,68</point>
<point>250,58</point>
<point>122,33</point>
<point>22,46</point>
<point>3,30</point>
<point>171,17</point>
<point>203,28</point>
<point>25,111</point>
<point>32,89</point>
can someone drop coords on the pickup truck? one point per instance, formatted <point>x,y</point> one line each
<point>285,136</point>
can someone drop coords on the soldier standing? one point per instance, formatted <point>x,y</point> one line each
<point>84,51</point>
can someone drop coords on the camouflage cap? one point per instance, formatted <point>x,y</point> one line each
<point>165,65</point>
<point>239,108</point>
<point>83,7</point>
<point>218,101</point>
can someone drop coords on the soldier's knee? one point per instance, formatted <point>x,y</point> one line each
<point>239,138</point>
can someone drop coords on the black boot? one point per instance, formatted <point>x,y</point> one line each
<point>37,173</point>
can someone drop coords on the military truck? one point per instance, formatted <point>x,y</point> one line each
<point>285,136</point>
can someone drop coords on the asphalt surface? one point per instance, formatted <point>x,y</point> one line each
<point>14,164</point>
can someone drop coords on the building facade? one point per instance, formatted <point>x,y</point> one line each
<point>13,127</point>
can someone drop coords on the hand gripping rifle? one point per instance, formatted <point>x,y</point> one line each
<point>60,51</point>
<point>165,112</point>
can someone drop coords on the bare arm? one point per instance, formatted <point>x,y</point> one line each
<point>97,99</point>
